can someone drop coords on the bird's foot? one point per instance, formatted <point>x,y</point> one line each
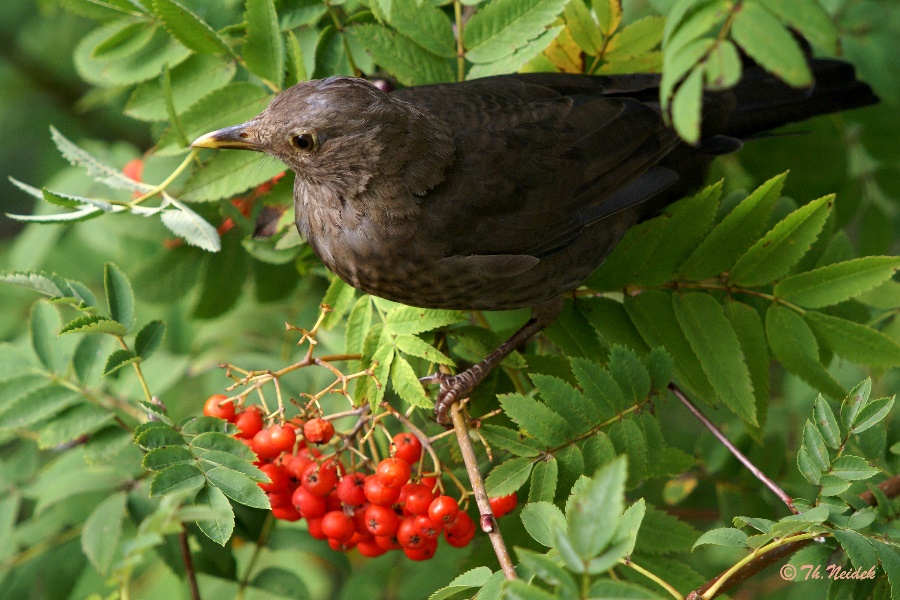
<point>453,389</point>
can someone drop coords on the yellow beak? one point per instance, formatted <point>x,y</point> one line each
<point>235,137</point>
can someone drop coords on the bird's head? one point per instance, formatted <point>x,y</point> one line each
<point>331,132</point>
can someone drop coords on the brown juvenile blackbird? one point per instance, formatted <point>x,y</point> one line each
<point>503,192</point>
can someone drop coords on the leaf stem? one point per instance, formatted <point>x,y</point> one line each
<point>460,50</point>
<point>168,181</point>
<point>652,577</point>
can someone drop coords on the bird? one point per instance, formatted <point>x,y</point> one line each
<point>503,192</point>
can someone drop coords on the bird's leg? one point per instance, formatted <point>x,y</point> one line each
<point>456,387</point>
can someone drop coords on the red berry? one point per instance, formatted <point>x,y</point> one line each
<point>460,532</point>
<point>381,520</point>
<point>320,479</point>
<point>431,484</point>
<point>393,472</point>
<point>286,513</point>
<point>338,526</point>
<point>427,527</point>
<point>283,437</point>
<point>350,489</point>
<point>423,552</point>
<point>133,170</point>
<point>296,464</point>
<point>249,423</point>
<point>216,406</point>
<point>308,504</point>
<point>408,534</point>
<point>378,493</point>
<point>409,448</point>
<point>503,505</point>
<point>417,498</point>
<point>263,446</point>
<point>315,528</point>
<point>370,548</point>
<point>340,546</point>
<point>318,431</point>
<point>387,542</point>
<point>443,509</point>
<point>278,478</point>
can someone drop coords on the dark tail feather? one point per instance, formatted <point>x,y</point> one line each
<point>764,102</point>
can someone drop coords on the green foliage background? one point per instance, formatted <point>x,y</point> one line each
<point>61,67</point>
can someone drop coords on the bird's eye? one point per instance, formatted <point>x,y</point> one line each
<point>305,141</point>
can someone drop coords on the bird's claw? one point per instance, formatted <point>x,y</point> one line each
<point>452,388</point>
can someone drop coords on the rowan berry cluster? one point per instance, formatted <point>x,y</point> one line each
<point>388,509</point>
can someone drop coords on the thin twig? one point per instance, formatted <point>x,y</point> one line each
<point>188,563</point>
<point>654,578</point>
<point>488,522</point>
<point>733,449</point>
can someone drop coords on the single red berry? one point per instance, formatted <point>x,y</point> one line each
<point>387,542</point>
<point>278,479</point>
<point>378,493</point>
<point>393,472</point>
<point>283,437</point>
<point>381,520</point>
<point>339,546</point>
<point>318,431</point>
<point>416,498</point>
<point>370,548</point>
<point>443,509</point>
<point>315,528</point>
<point>308,504</point>
<point>408,534</point>
<point>263,446</point>
<point>320,479</point>
<point>503,505</point>
<point>338,526</point>
<point>423,552</point>
<point>427,527</point>
<point>461,531</point>
<point>350,489</point>
<point>409,448</point>
<point>431,483</point>
<point>249,422</point>
<point>360,537</point>
<point>216,406</point>
<point>297,463</point>
<point>286,513</point>
<point>133,170</point>
<point>359,518</point>
<point>333,502</point>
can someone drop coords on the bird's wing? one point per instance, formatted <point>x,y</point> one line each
<point>542,156</point>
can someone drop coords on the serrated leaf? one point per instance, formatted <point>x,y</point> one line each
<point>890,562</point>
<point>854,341</point>
<point>630,373</point>
<point>228,174</point>
<point>807,466</point>
<point>597,450</point>
<point>547,569</point>
<point>766,41</point>
<point>264,48</point>
<point>98,170</point>
<point>192,228</point>
<point>88,358</point>
<point>677,63</point>
<point>163,457</point>
<point>722,68</point>
<point>510,440</point>
<point>52,285</point>
<point>424,24</point>
<point>852,468</point>
<point>93,324</point>
<point>609,15</point>
<point>408,320</point>
<point>156,434</point>
<point>476,577</point>
<point>103,530</point>
<point>196,77</point>
<point>221,527</point>
<point>118,359</point>
<point>149,338</point>
<point>637,37</point>
<point>414,346</point>
<point>238,487</point>
<point>629,257</point>
<point>105,445</point>
<point>339,297</point>
<point>515,61</point>
<point>724,536</point>
<point>223,443</point>
<point>537,419</point>
<point>599,387</point>
<point>827,424</point>
<point>629,439</point>
<point>593,513</point>
<point>752,335</point>
<point>407,385</point>
<point>838,282</point>
<point>858,548</point>
<point>873,413</point>
<point>119,295</point>
<point>794,345</point>
<point>573,335</point>
<point>855,401</point>
<point>218,458</point>
<point>686,105</point>
<point>507,477</point>
<point>583,28</point>
<point>358,324</point>
<point>715,342</point>
<point>815,446</point>
<point>502,26</point>
<point>519,590</point>
<point>125,41</point>
<point>564,400</point>
<point>540,519</point>
<point>177,479</point>
<point>832,485</point>
<point>810,19</point>
<point>71,424</point>
<point>543,481</point>
<point>188,28</point>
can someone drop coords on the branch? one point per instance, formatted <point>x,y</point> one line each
<point>487,520</point>
<point>188,563</point>
<point>733,449</point>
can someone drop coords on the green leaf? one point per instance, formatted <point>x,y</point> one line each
<point>609,15</point>
<point>194,78</point>
<point>547,569</point>
<point>564,400</point>
<point>827,424</point>
<point>540,519</point>
<point>519,590</point>
<point>858,548</point>
<point>593,514</point>
<point>583,28</point>
<point>149,338</point>
<point>414,346</point>
<point>543,481</point>
<point>119,295</point>
<point>407,385</point>
<point>423,23</point>
<point>629,439</point>
<point>177,479</point>
<point>163,457</point>
<point>105,445</point>
<point>597,450</point>
<point>807,466</point>
<point>223,279</point>
<point>854,341</point>
<point>218,458</point>
<point>637,37</point>
<point>93,324</point>
<point>794,345</point>
<point>629,525</point>
<point>103,530</point>
<point>280,582</point>
<point>52,285</point>
<point>236,486</point>
<point>228,174</point>
<point>630,373</point>
<point>98,170</point>
<point>223,443</point>
<point>507,477</point>
<point>767,42</point>
<point>44,324</point>
<point>752,336</point>
<point>855,401</point>
<point>573,335</point>
<point>36,406</point>
<point>890,562</point>
<point>221,527</point>
<point>188,28</point>
<point>408,320</point>
<point>783,246</point>
<point>735,234</point>
<point>810,19</point>
<point>629,257</point>
<point>476,577</point>
<point>838,282</point>
<point>599,387</point>
<point>502,26</point>
<point>118,359</point>
<point>510,440</point>
<point>715,342</point>
<point>156,434</point>
<point>264,48</point>
<point>358,324</point>
<point>88,358</point>
<point>725,536</point>
<point>339,297</point>
<point>122,43</point>
<point>722,68</point>
<point>852,468</point>
<point>814,445</point>
<point>661,533</point>
<point>873,413</point>
<point>71,424</point>
<point>833,485</point>
<point>515,61</point>
<point>537,419</point>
